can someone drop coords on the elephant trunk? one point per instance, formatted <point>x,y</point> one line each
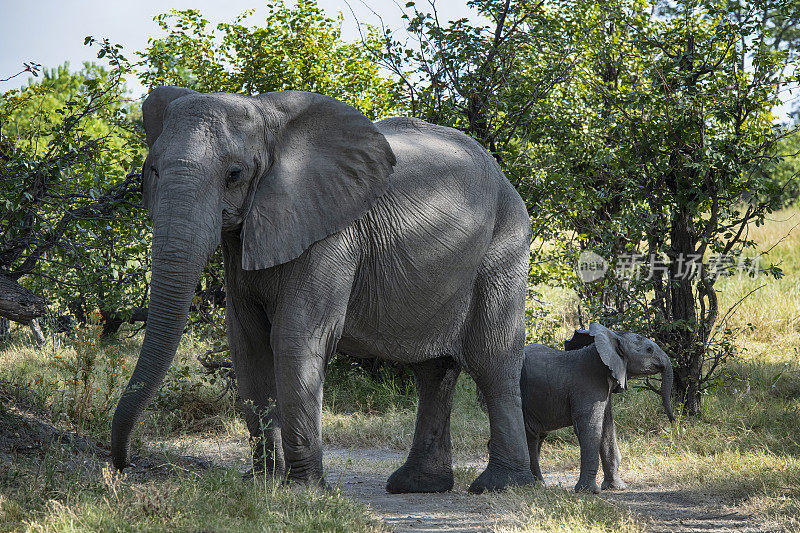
<point>666,387</point>
<point>176,268</point>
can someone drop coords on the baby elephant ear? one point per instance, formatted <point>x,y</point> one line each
<point>328,165</point>
<point>609,347</point>
<point>153,118</point>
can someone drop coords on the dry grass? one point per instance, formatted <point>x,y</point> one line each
<point>550,509</point>
<point>48,483</point>
<point>97,498</point>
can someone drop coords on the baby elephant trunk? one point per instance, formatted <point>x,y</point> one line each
<point>666,387</point>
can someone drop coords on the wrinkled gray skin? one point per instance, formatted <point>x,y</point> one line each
<point>400,240</point>
<point>563,388</point>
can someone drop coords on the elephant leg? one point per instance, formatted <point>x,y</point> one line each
<point>493,344</point>
<point>534,451</point>
<point>253,362</point>
<point>609,453</point>
<point>492,349</point>
<point>509,461</point>
<point>306,326</point>
<point>300,374</point>
<point>429,465</point>
<point>589,427</point>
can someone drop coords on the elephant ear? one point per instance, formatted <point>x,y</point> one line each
<point>609,347</point>
<point>327,166</point>
<point>153,117</point>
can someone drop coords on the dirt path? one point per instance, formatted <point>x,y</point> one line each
<point>665,510</point>
<point>361,474</point>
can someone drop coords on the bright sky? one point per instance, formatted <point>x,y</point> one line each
<point>51,32</point>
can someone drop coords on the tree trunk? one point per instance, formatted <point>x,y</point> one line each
<point>687,389</point>
<point>112,320</point>
<point>683,339</point>
<point>36,332</point>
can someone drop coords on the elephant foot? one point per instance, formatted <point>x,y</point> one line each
<point>583,486</point>
<point>410,478</point>
<point>613,484</point>
<point>496,478</point>
<point>537,474</point>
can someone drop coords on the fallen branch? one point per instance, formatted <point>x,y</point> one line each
<point>18,303</point>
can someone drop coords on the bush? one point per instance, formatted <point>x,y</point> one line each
<point>350,387</point>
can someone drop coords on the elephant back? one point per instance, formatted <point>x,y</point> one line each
<point>580,339</point>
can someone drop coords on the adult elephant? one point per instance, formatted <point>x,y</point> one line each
<point>325,246</point>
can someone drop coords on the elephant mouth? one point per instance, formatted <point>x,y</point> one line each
<point>232,216</point>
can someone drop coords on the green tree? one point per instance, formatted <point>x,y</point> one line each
<point>786,173</point>
<point>70,228</point>
<point>490,81</point>
<point>662,144</point>
<point>296,48</point>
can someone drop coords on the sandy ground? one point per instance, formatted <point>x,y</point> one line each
<point>460,511</point>
<point>361,473</point>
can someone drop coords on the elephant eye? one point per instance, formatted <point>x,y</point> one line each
<point>649,349</point>
<point>233,176</point>
<point>154,170</point>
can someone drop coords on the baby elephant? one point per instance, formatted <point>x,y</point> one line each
<point>562,388</point>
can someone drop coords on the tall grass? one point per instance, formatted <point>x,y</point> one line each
<point>101,499</point>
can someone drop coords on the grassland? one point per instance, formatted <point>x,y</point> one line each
<point>743,451</point>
